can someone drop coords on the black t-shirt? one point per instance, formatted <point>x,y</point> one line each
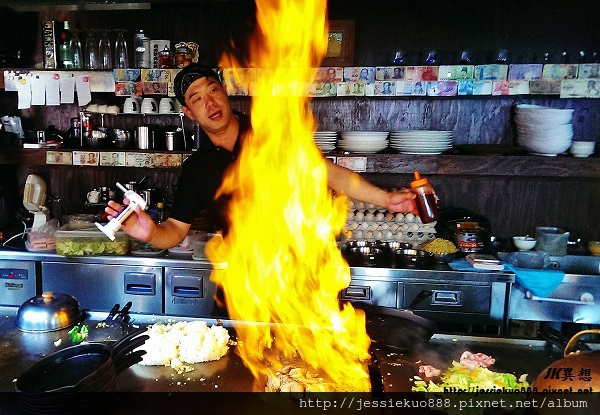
<point>201,177</point>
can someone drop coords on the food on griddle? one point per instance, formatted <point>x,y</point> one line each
<point>295,379</point>
<point>175,344</point>
<point>475,360</point>
<point>460,377</point>
<point>429,371</point>
<point>439,246</point>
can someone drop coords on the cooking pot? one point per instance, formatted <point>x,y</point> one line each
<point>48,312</point>
<point>469,231</point>
<point>399,329</point>
<point>584,367</point>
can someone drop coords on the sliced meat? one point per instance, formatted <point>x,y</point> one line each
<point>429,371</point>
<point>475,360</point>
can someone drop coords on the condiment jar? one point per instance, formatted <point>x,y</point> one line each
<point>426,199</point>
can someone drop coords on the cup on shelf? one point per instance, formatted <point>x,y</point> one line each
<point>131,106</point>
<point>166,106</point>
<point>149,106</point>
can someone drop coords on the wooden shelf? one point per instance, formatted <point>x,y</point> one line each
<point>563,166</point>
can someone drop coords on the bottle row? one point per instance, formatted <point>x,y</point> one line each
<point>65,49</point>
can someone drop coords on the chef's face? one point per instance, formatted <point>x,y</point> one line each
<point>206,102</point>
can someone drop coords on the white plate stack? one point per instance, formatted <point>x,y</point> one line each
<point>363,141</point>
<point>421,141</point>
<point>325,140</point>
<point>544,131</point>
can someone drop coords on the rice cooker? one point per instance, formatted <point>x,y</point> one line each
<point>469,231</point>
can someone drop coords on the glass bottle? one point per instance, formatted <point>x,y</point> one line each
<point>426,200</point>
<point>65,54</point>
<point>121,56</point>
<point>76,51</point>
<point>91,51</point>
<point>105,60</point>
<point>142,52</point>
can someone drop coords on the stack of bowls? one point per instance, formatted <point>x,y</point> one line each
<point>582,148</point>
<point>544,131</point>
<point>363,141</point>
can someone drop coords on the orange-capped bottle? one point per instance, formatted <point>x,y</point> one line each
<point>426,199</point>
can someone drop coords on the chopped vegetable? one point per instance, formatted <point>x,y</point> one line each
<point>78,334</point>
<point>92,247</point>
<point>459,377</point>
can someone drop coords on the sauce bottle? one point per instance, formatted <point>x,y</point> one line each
<point>426,199</point>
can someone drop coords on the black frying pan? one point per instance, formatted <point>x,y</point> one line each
<point>79,367</point>
<point>399,329</point>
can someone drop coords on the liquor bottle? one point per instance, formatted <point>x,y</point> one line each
<point>65,54</point>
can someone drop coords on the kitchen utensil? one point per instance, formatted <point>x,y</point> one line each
<point>469,231</point>
<point>48,312</point>
<point>144,137</point>
<point>552,240</point>
<point>115,223</point>
<point>411,258</point>
<point>121,138</point>
<point>399,329</point>
<point>524,243</point>
<point>174,141</point>
<point>85,367</point>
<point>93,196</point>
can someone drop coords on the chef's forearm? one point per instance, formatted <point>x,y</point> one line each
<point>353,185</point>
<point>169,233</point>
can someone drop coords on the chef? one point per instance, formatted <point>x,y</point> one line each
<point>204,100</point>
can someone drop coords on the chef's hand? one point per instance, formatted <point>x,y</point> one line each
<point>138,225</point>
<point>402,200</point>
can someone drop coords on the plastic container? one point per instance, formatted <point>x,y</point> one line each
<point>82,239</point>
<point>426,199</point>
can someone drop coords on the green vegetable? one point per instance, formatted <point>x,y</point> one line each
<point>78,334</point>
<point>92,247</point>
<point>460,377</point>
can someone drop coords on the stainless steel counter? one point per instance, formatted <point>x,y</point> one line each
<point>20,350</point>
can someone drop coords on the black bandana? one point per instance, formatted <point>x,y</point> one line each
<point>188,75</point>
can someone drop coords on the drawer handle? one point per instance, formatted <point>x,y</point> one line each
<point>186,292</point>
<point>356,292</point>
<point>139,289</point>
<point>586,299</point>
<point>445,298</point>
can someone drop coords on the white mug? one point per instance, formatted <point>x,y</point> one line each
<point>93,196</point>
<point>149,106</point>
<point>131,106</point>
<point>166,106</point>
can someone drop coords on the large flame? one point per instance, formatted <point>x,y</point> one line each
<point>284,267</point>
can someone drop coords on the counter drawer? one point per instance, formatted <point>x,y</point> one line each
<point>98,287</point>
<point>450,298</point>
<point>380,293</point>
<point>189,292</point>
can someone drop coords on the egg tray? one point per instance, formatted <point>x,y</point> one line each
<point>368,222</point>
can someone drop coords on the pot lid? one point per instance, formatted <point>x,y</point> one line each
<point>48,312</point>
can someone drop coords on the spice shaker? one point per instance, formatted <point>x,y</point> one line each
<point>426,199</point>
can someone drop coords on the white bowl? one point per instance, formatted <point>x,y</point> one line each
<point>583,145</point>
<point>544,128</point>
<point>546,147</point>
<point>543,115</point>
<point>524,243</point>
<point>578,152</point>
